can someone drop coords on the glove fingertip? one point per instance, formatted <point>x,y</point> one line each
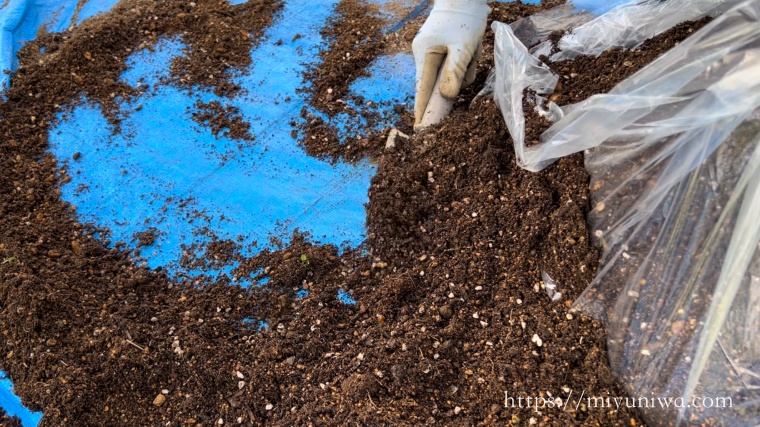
<point>450,85</point>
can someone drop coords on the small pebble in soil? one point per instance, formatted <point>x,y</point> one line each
<point>537,340</point>
<point>159,400</point>
<point>445,311</point>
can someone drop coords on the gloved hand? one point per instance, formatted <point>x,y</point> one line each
<point>454,32</point>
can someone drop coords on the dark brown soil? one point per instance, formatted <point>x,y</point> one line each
<point>145,238</point>
<point>220,37</point>
<point>354,38</point>
<point>8,421</point>
<point>554,38</point>
<point>450,301</point>
<point>322,140</point>
<point>587,75</point>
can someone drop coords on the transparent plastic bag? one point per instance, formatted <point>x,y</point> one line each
<point>514,71</point>
<point>630,24</point>
<point>674,156</point>
<point>701,81</point>
<point>677,288</point>
<point>534,29</point>
<point>516,68</point>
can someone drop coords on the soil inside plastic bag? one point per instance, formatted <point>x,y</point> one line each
<point>589,75</point>
<point>450,311</point>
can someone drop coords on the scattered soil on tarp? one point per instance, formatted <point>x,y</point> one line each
<point>354,37</point>
<point>222,120</point>
<point>354,33</point>
<point>145,238</point>
<point>451,312</point>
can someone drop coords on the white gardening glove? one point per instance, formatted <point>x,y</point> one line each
<point>454,32</point>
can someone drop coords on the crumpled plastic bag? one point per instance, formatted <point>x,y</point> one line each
<point>629,25</point>
<point>515,70</point>
<point>534,29</point>
<point>674,156</point>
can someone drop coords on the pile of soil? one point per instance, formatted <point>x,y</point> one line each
<point>451,309</point>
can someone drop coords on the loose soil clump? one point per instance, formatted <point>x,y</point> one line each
<point>8,421</point>
<point>451,310</point>
<point>223,120</point>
